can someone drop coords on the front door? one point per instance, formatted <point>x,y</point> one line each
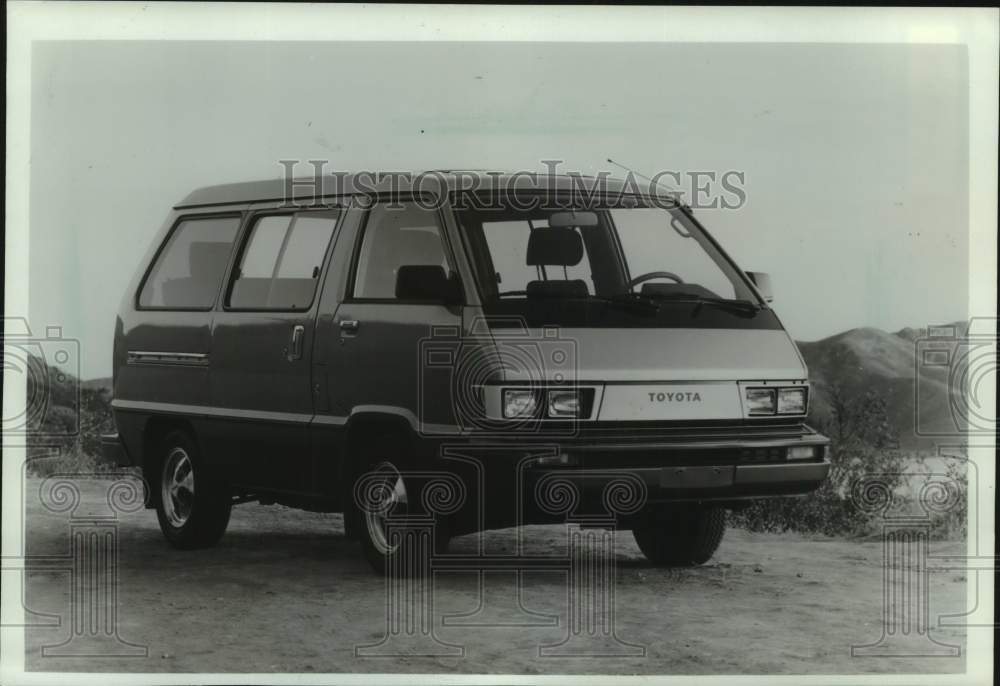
<point>262,346</point>
<point>382,340</point>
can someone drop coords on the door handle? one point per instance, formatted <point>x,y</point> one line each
<point>349,326</point>
<point>295,349</point>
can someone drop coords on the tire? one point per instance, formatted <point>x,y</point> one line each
<point>681,536</point>
<point>192,504</point>
<point>383,492</point>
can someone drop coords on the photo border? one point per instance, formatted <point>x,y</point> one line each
<point>27,23</point>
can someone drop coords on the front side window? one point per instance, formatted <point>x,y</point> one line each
<point>188,270</point>
<point>281,261</point>
<point>394,237</point>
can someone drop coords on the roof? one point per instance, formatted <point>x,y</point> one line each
<point>431,181</point>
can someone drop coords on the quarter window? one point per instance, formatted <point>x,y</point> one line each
<point>394,237</point>
<point>281,263</point>
<point>188,271</point>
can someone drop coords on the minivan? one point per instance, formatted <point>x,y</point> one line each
<point>469,349</point>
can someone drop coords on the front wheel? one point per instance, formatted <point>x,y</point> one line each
<point>681,535</point>
<point>392,539</point>
<point>192,507</point>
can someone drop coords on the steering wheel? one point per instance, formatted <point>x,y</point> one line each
<point>654,275</point>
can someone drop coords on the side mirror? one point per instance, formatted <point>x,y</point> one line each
<point>428,282</point>
<point>762,280</point>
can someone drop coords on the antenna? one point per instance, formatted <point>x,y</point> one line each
<point>670,189</point>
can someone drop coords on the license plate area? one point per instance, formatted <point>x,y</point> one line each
<point>696,477</point>
<point>671,401</point>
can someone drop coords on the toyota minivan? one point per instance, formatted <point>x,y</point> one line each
<point>475,351</point>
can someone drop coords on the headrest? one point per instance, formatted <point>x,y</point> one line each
<point>554,247</point>
<point>420,281</point>
<point>208,259</point>
<point>574,288</point>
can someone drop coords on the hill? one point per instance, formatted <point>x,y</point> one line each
<point>849,364</point>
<point>101,383</point>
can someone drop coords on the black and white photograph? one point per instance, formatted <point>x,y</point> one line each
<point>499,344</point>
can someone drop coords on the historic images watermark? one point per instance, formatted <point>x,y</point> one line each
<point>540,369</point>
<point>48,366</point>
<point>907,562</point>
<point>958,363</point>
<point>52,426</point>
<point>590,504</point>
<point>308,182</point>
<point>586,562</point>
<point>90,623</point>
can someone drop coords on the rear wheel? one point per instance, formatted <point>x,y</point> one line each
<point>681,535</point>
<point>192,506</point>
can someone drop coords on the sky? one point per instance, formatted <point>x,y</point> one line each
<point>855,157</point>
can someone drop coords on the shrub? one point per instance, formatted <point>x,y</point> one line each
<point>863,446</point>
<point>66,438</point>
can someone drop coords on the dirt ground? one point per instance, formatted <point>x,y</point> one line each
<point>285,591</point>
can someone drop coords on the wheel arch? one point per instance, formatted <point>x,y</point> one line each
<point>363,430</point>
<point>380,427</point>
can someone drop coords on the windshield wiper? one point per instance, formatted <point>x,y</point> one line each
<point>653,302</point>
<point>739,306</point>
<point>632,298</point>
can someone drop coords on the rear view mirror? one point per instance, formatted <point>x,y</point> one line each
<point>567,220</point>
<point>762,280</point>
<point>427,282</point>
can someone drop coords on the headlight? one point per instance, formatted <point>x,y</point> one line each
<point>801,452</point>
<point>563,404</point>
<point>760,400</point>
<point>519,403</point>
<point>792,400</point>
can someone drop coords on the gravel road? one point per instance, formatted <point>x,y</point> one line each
<point>285,591</point>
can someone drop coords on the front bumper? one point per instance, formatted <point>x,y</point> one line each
<point>699,461</point>
<point>701,482</point>
<point>603,472</point>
<point>718,461</point>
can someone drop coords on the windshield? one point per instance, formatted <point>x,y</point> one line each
<point>642,253</point>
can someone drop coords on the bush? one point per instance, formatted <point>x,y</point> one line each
<point>44,464</point>
<point>863,446</point>
<point>66,438</point>
<point>952,522</point>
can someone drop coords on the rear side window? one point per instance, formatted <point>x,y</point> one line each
<point>188,270</point>
<point>281,263</point>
